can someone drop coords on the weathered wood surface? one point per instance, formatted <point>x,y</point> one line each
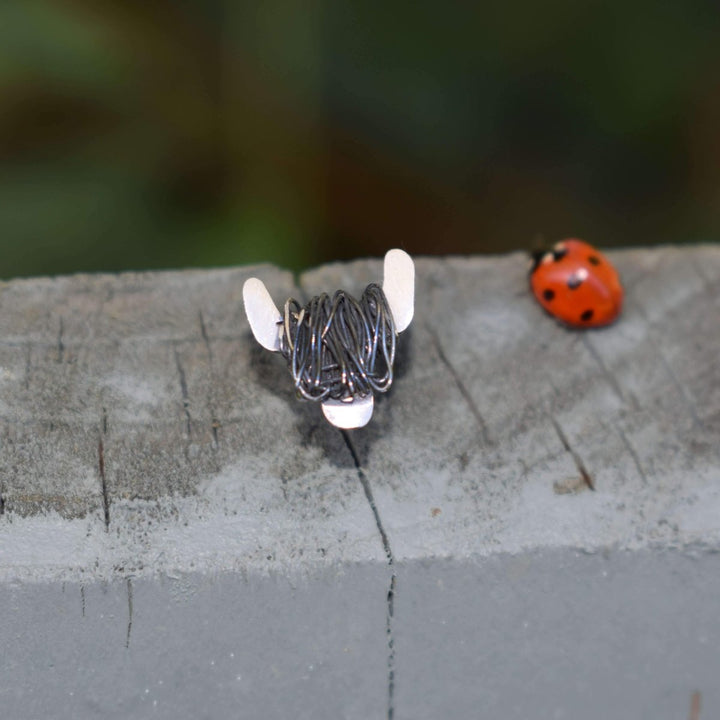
<point>144,430</point>
<point>181,538</point>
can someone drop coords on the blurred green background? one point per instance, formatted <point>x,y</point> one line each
<point>210,132</point>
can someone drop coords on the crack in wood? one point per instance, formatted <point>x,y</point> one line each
<point>101,470</point>
<point>667,368</point>
<point>103,484</point>
<point>184,392</point>
<point>680,387</point>
<point>482,425</point>
<point>204,333</point>
<point>130,611</point>
<point>390,600</point>
<point>633,454</point>
<point>576,458</point>
<point>60,344</point>
<point>609,377</point>
<point>215,423</point>
<point>28,365</point>
<point>368,494</point>
<point>391,645</point>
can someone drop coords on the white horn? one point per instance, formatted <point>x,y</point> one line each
<point>262,314</point>
<point>399,287</point>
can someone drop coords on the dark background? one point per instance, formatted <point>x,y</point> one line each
<point>206,132</point>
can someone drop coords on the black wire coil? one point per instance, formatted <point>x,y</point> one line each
<point>340,347</point>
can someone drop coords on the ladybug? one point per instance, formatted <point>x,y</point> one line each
<point>577,284</point>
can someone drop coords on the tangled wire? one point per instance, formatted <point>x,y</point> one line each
<point>340,347</point>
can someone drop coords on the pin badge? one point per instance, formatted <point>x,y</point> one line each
<point>340,351</point>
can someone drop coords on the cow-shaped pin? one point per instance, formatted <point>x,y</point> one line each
<point>340,350</point>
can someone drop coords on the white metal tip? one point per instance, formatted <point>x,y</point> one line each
<point>262,314</point>
<point>399,287</point>
<point>349,415</point>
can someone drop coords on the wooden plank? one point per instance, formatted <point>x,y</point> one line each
<point>179,535</point>
<point>139,404</point>
<point>499,411</point>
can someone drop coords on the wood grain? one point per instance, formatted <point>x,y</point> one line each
<point>139,403</point>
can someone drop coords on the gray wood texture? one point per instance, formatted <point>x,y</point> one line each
<point>529,526</point>
<point>138,406</point>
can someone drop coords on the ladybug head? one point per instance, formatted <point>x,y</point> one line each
<point>557,252</point>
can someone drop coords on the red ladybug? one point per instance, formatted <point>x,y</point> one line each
<point>577,284</point>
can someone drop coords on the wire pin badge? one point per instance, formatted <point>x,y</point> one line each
<point>340,350</point>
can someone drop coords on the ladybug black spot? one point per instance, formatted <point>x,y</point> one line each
<point>559,254</point>
<point>594,260</point>
<point>574,281</point>
<point>549,294</point>
<point>587,316</point>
